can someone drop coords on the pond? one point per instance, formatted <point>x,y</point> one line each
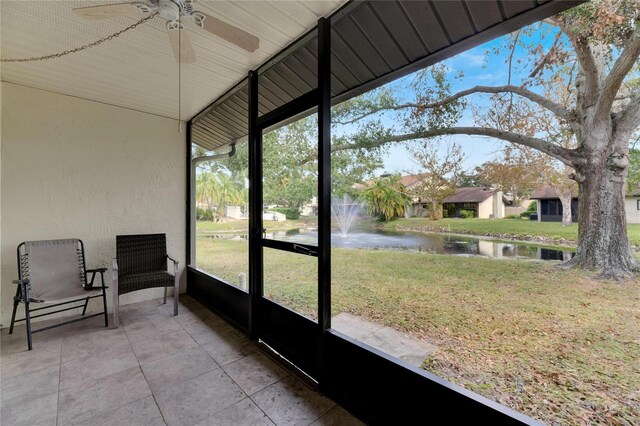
<point>421,242</point>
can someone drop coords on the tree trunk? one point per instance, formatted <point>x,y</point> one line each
<point>603,245</point>
<point>565,200</point>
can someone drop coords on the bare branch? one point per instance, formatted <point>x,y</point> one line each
<point>621,68</point>
<point>552,106</point>
<point>377,110</point>
<point>567,156</point>
<point>555,108</point>
<point>540,66</point>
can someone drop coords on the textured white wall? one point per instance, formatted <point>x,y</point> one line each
<point>631,208</point>
<point>76,168</point>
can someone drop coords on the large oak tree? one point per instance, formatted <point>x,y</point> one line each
<point>593,58</point>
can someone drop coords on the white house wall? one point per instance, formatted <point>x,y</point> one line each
<point>485,208</point>
<point>631,208</point>
<point>78,168</point>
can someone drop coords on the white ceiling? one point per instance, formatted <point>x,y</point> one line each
<point>137,70</point>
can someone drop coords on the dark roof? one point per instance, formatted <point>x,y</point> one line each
<point>373,42</point>
<point>549,192</point>
<point>469,194</point>
<point>545,192</point>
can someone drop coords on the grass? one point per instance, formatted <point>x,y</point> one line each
<point>240,225</point>
<point>515,228</point>
<point>552,344</point>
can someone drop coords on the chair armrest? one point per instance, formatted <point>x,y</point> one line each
<point>173,260</point>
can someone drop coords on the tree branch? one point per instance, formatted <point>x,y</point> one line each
<point>540,66</point>
<point>619,71</point>
<point>377,110</point>
<point>552,106</point>
<point>628,120</point>
<point>585,58</point>
<point>567,156</point>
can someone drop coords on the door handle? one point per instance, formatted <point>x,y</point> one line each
<point>304,250</point>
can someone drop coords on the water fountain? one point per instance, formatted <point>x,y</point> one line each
<point>345,211</point>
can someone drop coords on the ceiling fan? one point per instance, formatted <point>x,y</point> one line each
<point>174,12</point>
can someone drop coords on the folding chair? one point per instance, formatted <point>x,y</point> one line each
<point>51,272</point>
<point>141,263</point>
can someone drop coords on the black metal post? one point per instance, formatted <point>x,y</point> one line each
<point>324,192</point>
<point>324,173</point>
<point>188,197</point>
<point>255,206</point>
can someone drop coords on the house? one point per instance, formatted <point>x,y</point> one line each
<point>485,203</point>
<point>550,207</point>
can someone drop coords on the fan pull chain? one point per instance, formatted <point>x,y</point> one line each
<point>83,47</point>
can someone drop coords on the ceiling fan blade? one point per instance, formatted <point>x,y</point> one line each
<point>107,10</point>
<point>230,33</point>
<point>181,44</point>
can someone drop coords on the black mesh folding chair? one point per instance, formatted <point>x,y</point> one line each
<point>51,272</point>
<point>140,263</point>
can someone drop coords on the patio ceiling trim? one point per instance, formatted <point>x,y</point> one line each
<point>373,43</point>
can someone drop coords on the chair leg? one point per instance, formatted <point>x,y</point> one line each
<point>176,291</point>
<point>165,296</point>
<point>16,302</point>
<point>84,309</point>
<point>104,301</point>
<point>116,308</point>
<point>27,317</point>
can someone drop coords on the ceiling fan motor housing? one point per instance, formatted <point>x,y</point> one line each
<point>169,9</point>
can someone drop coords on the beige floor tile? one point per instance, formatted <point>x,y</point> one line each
<point>110,360</point>
<point>104,395</point>
<point>31,385</point>
<point>162,345</point>
<point>228,349</point>
<point>289,402</point>
<point>192,401</point>
<point>338,416</point>
<point>34,412</point>
<point>177,368</point>
<point>254,372</point>
<point>143,412</point>
<point>243,413</point>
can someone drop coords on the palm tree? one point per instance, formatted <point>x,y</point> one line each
<point>386,198</point>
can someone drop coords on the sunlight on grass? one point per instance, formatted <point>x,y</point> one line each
<point>518,332</point>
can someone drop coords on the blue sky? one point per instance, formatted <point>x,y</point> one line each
<point>477,71</point>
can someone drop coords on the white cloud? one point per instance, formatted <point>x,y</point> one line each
<point>473,59</point>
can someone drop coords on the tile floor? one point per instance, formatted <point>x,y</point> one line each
<point>156,369</point>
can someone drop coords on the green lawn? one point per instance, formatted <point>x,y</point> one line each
<point>552,344</point>
<point>207,226</point>
<point>514,228</point>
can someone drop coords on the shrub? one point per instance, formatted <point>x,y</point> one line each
<point>204,214</point>
<point>291,213</point>
<point>466,214</point>
<point>513,216</point>
<point>533,208</point>
<point>435,215</point>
